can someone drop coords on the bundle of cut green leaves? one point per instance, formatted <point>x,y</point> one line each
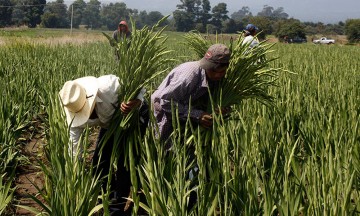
<point>142,58</point>
<point>248,75</point>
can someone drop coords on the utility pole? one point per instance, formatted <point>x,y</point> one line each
<point>72,15</point>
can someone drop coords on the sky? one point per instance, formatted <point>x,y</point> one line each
<point>326,11</point>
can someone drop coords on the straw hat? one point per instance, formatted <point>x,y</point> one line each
<point>78,98</point>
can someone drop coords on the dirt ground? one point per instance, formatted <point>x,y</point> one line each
<point>30,174</point>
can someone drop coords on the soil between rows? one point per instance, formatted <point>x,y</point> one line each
<point>30,178</point>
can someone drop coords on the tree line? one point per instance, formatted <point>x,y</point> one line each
<point>57,14</point>
<point>189,15</point>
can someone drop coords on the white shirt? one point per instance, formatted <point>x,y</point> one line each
<point>105,106</point>
<point>251,40</point>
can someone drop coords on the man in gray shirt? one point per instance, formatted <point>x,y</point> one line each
<point>187,84</point>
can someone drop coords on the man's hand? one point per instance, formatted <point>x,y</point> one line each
<point>224,111</point>
<point>128,106</point>
<point>206,120</point>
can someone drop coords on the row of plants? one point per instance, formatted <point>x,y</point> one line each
<point>299,156</point>
<point>28,73</point>
<point>15,117</point>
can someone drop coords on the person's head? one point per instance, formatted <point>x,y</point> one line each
<point>78,98</point>
<point>250,29</point>
<point>123,26</point>
<point>216,61</point>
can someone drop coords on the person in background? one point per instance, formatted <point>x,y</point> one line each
<point>189,82</point>
<point>250,32</point>
<point>91,101</point>
<point>121,33</point>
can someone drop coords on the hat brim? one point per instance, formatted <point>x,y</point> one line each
<point>205,64</point>
<point>81,117</point>
<point>254,29</point>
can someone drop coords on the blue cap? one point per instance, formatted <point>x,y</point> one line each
<point>251,27</point>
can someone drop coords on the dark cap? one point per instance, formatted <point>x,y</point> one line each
<point>216,54</point>
<point>251,27</point>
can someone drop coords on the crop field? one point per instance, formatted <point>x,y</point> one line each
<point>300,156</point>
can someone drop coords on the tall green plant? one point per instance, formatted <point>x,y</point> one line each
<point>70,188</point>
<point>248,76</point>
<point>142,58</point>
<point>6,191</point>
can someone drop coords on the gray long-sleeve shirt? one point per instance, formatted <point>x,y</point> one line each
<point>187,83</point>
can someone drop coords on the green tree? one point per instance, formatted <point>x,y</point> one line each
<point>352,30</point>
<point>18,15</point>
<point>219,15</point>
<point>241,14</point>
<point>320,27</point>
<point>153,17</point>
<point>5,12</point>
<point>266,11</point>
<point>183,21</point>
<point>279,13</point>
<point>274,14</point>
<point>190,6</point>
<point>32,10</point>
<point>55,15</point>
<point>113,13</point>
<point>232,26</point>
<point>264,24</point>
<point>204,15</point>
<point>334,29</point>
<point>49,20</point>
<point>92,18</point>
<point>142,18</point>
<point>187,14</point>
<point>76,10</point>
<point>290,28</point>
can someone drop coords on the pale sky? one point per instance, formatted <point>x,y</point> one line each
<point>326,11</point>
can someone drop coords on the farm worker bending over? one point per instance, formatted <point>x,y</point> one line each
<point>121,33</point>
<point>91,101</point>
<point>189,82</point>
<point>250,32</point>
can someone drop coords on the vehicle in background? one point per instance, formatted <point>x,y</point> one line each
<point>295,40</point>
<point>324,40</point>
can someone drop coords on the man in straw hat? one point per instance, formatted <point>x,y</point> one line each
<point>91,101</point>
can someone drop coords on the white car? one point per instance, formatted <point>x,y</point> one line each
<point>324,40</point>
